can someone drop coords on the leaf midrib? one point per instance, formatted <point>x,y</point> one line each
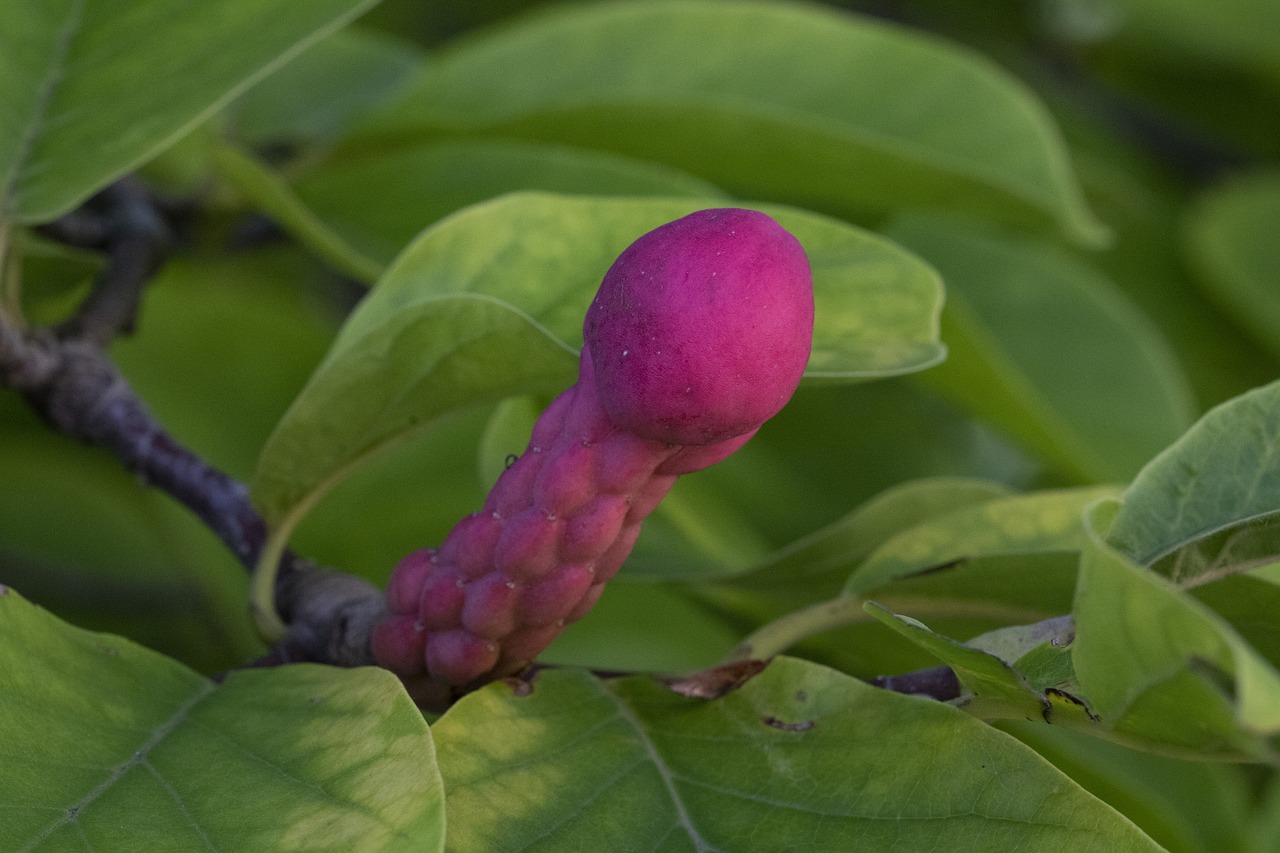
<point>683,818</point>
<point>138,758</point>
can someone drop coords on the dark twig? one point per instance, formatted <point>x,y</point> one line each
<point>86,398</point>
<point>123,221</point>
<point>937,682</point>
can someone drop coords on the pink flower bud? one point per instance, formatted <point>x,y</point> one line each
<point>698,335</point>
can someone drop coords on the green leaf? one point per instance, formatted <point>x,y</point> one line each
<point>995,688</point>
<point>815,567</point>
<point>209,355</point>
<point>489,304</point>
<point>1250,603</point>
<point>1232,243</point>
<point>698,532</point>
<point>780,101</point>
<point>133,562</point>
<point>620,634</point>
<point>1008,561</point>
<point>1032,648</point>
<point>984,596</point>
<point>1188,806</point>
<point>1236,32</point>
<point>1048,350</point>
<point>270,194</point>
<point>379,199</point>
<point>625,765</point>
<point>317,94</point>
<point>1143,202</point>
<point>506,434</point>
<point>1221,476</point>
<point>975,597</point>
<point>1020,524</point>
<point>998,690</point>
<point>984,562</point>
<point>94,88</point>
<point>406,498</point>
<point>834,447</point>
<point>1147,651</point>
<point>296,757</point>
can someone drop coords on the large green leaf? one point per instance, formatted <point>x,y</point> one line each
<point>815,567</point>
<point>769,100</point>
<point>1019,524</point>
<point>1188,806</point>
<point>489,304</point>
<point>800,755</point>
<point>1221,477</point>
<point>270,194</point>
<point>1232,241</point>
<point>109,746</point>
<point>90,89</point>
<point>379,200</point>
<point>1048,350</point>
<point>1155,663</point>
<point>322,90</point>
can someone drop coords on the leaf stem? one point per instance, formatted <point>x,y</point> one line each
<point>277,199</point>
<point>262,591</point>
<point>10,276</point>
<point>786,631</point>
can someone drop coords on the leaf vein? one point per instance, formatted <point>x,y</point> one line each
<point>668,781</point>
<point>157,735</point>
<point>181,806</point>
<point>396,830</point>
